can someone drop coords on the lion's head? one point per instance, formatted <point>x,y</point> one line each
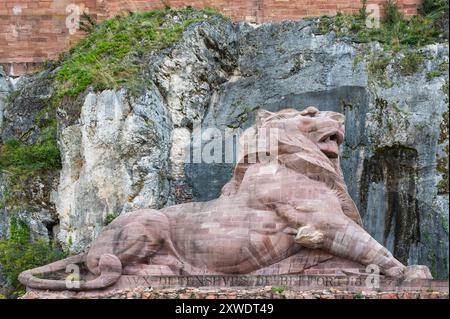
<point>324,129</point>
<point>314,134</point>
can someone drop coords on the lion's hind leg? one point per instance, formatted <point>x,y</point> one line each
<point>109,270</point>
<point>144,246</point>
<point>136,243</point>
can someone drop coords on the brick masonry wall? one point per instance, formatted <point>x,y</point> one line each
<point>32,31</point>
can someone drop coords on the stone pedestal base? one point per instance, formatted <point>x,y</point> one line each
<point>267,292</point>
<point>298,285</point>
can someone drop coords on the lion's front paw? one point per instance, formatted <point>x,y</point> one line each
<point>394,272</point>
<point>417,272</point>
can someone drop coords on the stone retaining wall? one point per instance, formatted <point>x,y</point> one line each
<point>268,292</point>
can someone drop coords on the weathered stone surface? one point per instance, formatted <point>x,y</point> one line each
<point>5,88</point>
<point>27,197</point>
<point>114,160</point>
<point>417,272</point>
<point>241,293</point>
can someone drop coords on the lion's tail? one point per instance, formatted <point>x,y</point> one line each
<point>109,266</point>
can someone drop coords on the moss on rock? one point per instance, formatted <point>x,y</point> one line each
<point>411,63</point>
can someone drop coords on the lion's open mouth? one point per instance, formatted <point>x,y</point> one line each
<point>329,143</point>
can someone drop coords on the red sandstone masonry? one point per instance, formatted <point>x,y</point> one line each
<point>32,31</point>
<point>233,293</point>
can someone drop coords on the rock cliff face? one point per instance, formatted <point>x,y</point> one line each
<point>124,152</point>
<point>26,195</point>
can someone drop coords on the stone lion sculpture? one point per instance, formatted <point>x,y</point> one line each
<point>285,214</point>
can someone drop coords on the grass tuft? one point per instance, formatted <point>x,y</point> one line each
<point>395,31</point>
<point>18,253</point>
<point>44,154</point>
<point>411,63</point>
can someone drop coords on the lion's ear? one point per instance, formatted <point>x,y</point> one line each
<point>310,111</point>
<point>261,116</point>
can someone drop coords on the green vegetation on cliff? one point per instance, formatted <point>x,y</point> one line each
<point>400,37</point>
<point>395,31</point>
<point>29,154</point>
<point>44,154</point>
<point>114,53</point>
<point>18,253</point>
